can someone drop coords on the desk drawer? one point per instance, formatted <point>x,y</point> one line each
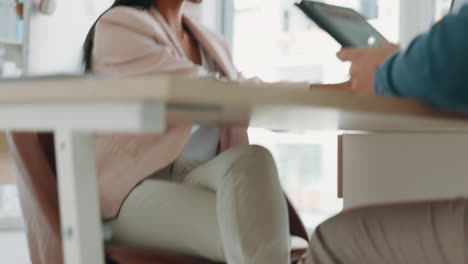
<point>386,168</point>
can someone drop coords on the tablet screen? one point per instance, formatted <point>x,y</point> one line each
<point>353,26</point>
<point>347,26</point>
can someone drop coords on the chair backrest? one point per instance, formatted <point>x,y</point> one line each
<point>33,155</point>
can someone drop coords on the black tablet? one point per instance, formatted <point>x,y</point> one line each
<point>345,25</point>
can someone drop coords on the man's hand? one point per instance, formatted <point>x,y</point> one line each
<point>364,63</point>
<point>346,86</point>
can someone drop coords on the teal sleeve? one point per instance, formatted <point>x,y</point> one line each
<point>434,68</point>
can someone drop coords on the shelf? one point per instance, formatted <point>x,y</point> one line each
<point>13,50</point>
<point>13,43</point>
<point>11,223</point>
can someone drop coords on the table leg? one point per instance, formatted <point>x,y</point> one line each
<point>79,199</point>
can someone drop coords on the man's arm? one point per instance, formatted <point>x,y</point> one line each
<point>434,69</point>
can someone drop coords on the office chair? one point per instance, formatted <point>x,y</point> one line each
<point>34,158</point>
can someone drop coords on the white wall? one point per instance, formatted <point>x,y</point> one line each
<point>209,13</point>
<point>14,248</point>
<point>55,42</point>
<point>7,20</point>
<point>212,15</point>
<point>416,17</point>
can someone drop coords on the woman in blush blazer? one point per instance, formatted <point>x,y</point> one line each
<point>196,190</point>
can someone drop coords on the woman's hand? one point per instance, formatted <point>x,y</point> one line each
<point>364,63</point>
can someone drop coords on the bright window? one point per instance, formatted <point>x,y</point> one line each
<point>307,168</point>
<point>442,7</point>
<point>273,40</point>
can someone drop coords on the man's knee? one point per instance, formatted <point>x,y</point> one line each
<point>339,226</point>
<point>402,227</point>
<point>340,239</point>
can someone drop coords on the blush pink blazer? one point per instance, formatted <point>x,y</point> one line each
<point>133,42</point>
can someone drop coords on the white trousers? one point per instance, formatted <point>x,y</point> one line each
<point>230,209</point>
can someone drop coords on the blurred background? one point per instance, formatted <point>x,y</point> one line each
<point>271,39</point>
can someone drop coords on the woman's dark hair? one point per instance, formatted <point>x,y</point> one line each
<point>89,42</point>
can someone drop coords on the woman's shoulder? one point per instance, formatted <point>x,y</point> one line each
<point>128,12</point>
<point>130,17</point>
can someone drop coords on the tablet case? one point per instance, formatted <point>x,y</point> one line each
<point>310,8</point>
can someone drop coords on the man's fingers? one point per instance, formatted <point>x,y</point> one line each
<point>364,86</point>
<point>348,54</point>
<point>360,68</point>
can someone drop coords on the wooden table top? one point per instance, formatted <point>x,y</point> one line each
<point>274,106</point>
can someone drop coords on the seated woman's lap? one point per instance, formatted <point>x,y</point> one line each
<point>172,217</point>
<point>421,232</point>
<point>235,200</point>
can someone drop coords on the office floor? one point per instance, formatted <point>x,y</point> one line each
<point>13,248</point>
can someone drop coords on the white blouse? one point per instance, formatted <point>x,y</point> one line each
<point>204,140</point>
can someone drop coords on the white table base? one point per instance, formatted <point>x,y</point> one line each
<point>79,200</point>
<point>397,167</point>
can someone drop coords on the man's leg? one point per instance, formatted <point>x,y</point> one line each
<point>424,232</point>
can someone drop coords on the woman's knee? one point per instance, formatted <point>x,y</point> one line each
<point>252,166</point>
<point>254,155</point>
